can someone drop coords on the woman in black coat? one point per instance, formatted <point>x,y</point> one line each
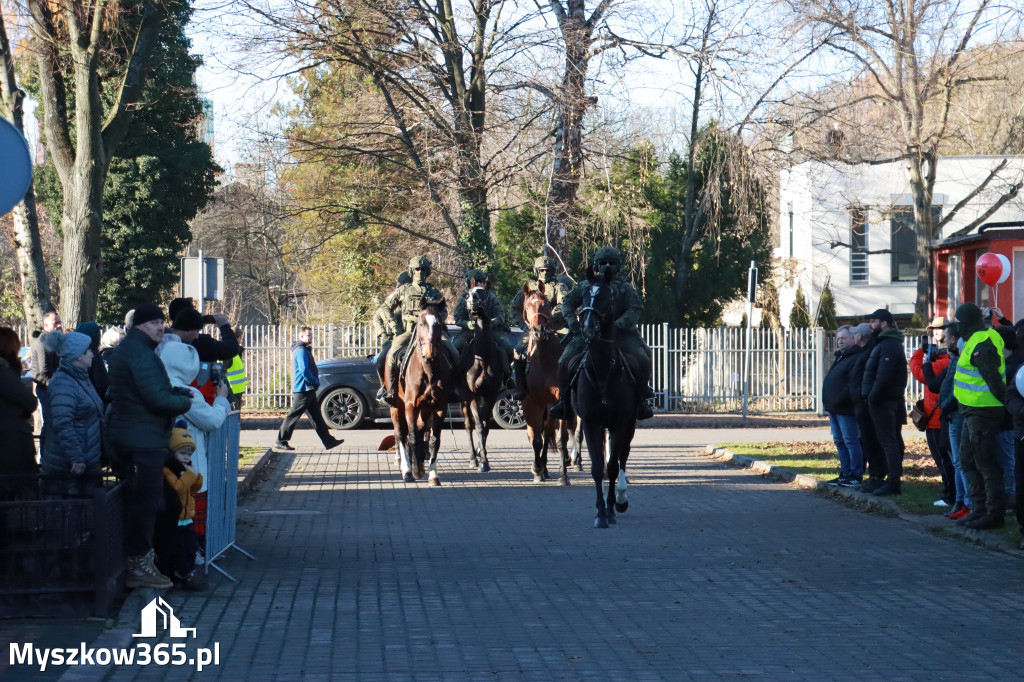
<point>18,454</point>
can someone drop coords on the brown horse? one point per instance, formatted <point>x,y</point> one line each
<point>542,352</point>
<point>423,393</point>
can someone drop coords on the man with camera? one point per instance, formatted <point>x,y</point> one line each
<point>927,363</point>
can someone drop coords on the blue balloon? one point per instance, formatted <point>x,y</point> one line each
<point>15,166</point>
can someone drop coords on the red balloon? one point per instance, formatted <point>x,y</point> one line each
<point>989,268</point>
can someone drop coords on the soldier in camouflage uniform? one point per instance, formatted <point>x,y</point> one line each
<point>406,303</point>
<point>492,309</point>
<point>386,325</point>
<point>545,269</point>
<point>626,307</point>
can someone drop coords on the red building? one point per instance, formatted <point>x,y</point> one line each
<point>955,280</point>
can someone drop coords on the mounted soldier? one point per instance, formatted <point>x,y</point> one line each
<point>545,270</point>
<point>405,304</point>
<point>387,323</point>
<point>628,307</point>
<point>492,309</point>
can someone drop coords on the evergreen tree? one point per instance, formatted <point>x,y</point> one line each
<point>827,310</point>
<point>798,316</point>
<point>722,252</point>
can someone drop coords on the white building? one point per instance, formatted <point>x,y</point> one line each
<point>852,226</point>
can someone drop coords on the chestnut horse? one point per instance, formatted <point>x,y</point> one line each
<point>542,352</point>
<point>483,367</point>
<point>423,391</point>
<point>606,398</point>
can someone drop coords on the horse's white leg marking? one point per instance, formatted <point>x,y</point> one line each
<point>620,487</point>
<point>404,454</point>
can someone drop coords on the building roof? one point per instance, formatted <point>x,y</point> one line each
<point>988,232</point>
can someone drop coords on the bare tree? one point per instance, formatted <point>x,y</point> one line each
<point>71,41</point>
<point>428,64</point>
<point>35,285</point>
<point>912,59</point>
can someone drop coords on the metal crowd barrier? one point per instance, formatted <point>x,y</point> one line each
<point>222,492</point>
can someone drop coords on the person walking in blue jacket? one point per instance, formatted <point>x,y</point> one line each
<point>305,380</point>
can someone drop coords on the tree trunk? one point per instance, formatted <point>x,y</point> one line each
<point>692,216</point>
<point>921,185</point>
<point>35,284</point>
<point>81,264</point>
<point>567,166</point>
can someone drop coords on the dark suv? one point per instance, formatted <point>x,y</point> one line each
<point>348,395</point>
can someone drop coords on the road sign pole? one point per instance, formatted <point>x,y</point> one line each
<point>202,283</point>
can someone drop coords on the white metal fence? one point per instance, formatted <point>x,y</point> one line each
<point>695,370</point>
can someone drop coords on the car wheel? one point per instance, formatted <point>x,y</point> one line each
<point>508,412</point>
<point>343,408</point>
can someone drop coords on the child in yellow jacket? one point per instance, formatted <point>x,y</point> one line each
<point>182,477</point>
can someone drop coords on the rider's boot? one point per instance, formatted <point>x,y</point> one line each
<point>519,375</point>
<point>643,410</point>
<point>391,396</point>
<point>563,408</point>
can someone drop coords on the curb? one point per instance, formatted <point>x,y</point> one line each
<point>247,482</point>
<point>884,505</point>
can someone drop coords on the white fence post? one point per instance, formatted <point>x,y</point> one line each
<point>819,369</point>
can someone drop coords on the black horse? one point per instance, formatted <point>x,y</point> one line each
<point>605,398</point>
<point>482,367</point>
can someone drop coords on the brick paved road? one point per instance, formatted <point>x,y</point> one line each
<point>713,573</point>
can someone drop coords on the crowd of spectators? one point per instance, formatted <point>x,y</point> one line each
<point>141,400</point>
<point>972,412</point>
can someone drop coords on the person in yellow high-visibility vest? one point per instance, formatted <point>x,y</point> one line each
<point>980,388</point>
<point>235,375</point>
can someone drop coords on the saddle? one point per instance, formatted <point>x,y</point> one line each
<point>576,363</point>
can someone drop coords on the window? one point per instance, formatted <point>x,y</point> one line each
<point>858,245</point>
<point>954,289</point>
<point>903,244</point>
<point>982,291</point>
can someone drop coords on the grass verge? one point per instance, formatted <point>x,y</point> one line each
<point>248,454</point>
<point>922,484</point>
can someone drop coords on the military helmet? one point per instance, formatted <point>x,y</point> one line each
<point>475,274</point>
<point>421,263</point>
<point>418,262</point>
<point>544,263</point>
<point>607,254</point>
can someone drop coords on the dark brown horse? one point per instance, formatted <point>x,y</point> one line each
<point>423,393</point>
<point>483,367</point>
<point>542,352</point>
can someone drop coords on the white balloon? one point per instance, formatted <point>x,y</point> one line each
<point>1006,268</point>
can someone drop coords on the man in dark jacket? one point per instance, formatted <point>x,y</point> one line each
<point>305,380</point>
<point>836,398</point>
<point>874,457</point>
<point>1015,406</point>
<point>188,323</point>
<point>143,406</point>
<point>980,387</point>
<point>885,380</point>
